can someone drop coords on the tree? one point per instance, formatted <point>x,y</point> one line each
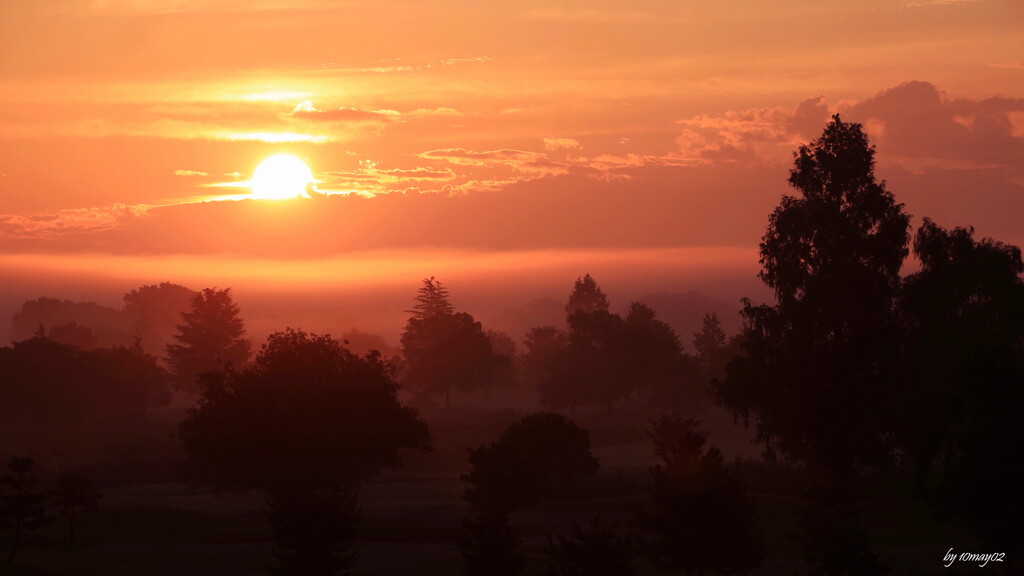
<point>654,361</point>
<point>964,312</point>
<point>586,297</point>
<point>211,338</point>
<point>490,547</point>
<point>444,349</point>
<point>540,457</point>
<point>21,506</point>
<point>307,422</point>
<point>596,549</point>
<point>821,365</point>
<point>700,521</point>
<point>432,300</point>
<point>154,311</point>
<point>710,341</point>
<point>73,494</point>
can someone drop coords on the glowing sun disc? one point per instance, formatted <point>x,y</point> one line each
<point>280,176</point>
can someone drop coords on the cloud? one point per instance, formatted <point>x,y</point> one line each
<point>504,157</point>
<point>190,173</point>
<point>562,144</point>
<point>917,124</point>
<point>305,110</point>
<point>64,222</point>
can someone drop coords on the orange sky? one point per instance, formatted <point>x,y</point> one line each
<point>511,126</point>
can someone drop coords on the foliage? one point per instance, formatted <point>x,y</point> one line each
<point>154,312</point>
<point>832,538</point>
<point>71,495</point>
<point>605,358</point>
<point>964,312</point>
<point>586,297</point>
<point>700,519</point>
<point>306,422</point>
<point>593,550</point>
<point>444,349</point>
<point>22,508</point>
<point>710,342</point>
<point>211,338</point>
<point>489,547</point>
<point>49,385</point>
<point>539,457</point>
<point>821,365</point>
<point>306,408</point>
<point>314,530</point>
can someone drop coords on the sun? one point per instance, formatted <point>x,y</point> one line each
<point>280,176</point>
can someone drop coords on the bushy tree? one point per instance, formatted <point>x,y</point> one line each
<point>596,549</point>
<point>540,457</point>
<point>605,358</point>
<point>22,506</point>
<point>154,311</point>
<point>212,337</point>
<point>490,546</point>
<point>55,395</point>
<point>700,520</point>
<point>964,312</point>
<point>307,422</point>
<point>444,349</point>
<point>821,365</point>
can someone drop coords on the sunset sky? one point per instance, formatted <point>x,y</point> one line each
<point>440,132</point>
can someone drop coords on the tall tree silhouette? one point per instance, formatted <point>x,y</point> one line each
<point>700,519</point>
<point>22,506</point>
<point>821,373</point>
<point>821,364</point>
<point>444,349</point>
<point>964,310</point>
<point>307,422</point>
<point>211,337</point>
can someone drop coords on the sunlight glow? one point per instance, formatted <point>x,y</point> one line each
<point>281,176</point>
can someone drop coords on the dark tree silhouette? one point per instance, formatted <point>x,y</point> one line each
<point>444,349</point>
<point>821,366</point>
<point>22,507</point>
<point>109,326</point>
<point>653,361</point>
<point>832,538</point>
<point>432,300</point>
<point>211,338</point>
<point>821,373</point>
<point>72,495</point>
<point>710,342</point>
<point>72,334</point>
<point>700,520</point>
<point>596,549</point>
<point>490,546</point>
<point>56,396</point>
<point>586,297</point>
<point>155,311</point>
<point>314,530</point>
<point>540,457</point>
<point>545,349</point>
<point>964,311</point>
<point>605,359</point>
<point>307,422</point>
